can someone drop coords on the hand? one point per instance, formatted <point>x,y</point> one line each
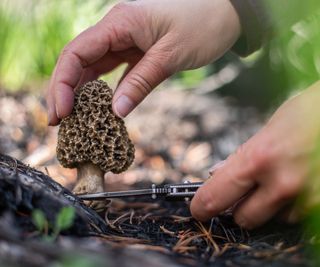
<point>156,38</point>
<point>269,170</point>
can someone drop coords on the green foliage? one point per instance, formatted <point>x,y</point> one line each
<point>296,48</point>
<point>39,220</point>
<point>33,33</point>
<point>64,220</point>
<point>312,223</point>
<point>309,203</point>
<point>8,44</point>
<point>52,29</point>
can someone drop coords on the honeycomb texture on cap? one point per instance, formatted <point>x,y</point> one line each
<point>93,133</point>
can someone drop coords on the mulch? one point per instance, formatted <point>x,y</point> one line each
<point>162,227</point>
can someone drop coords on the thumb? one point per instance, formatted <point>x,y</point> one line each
<point>151,70</point>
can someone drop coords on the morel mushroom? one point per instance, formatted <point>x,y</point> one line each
<point>93,139</point>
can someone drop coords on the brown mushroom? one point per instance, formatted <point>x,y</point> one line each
<point>93,139</point>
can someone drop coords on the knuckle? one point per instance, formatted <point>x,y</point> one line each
<point>156,65</point>
<point>124,23</point>
<point>166,59</point>
<point>262,155</point>
<point>286,189</point>
<point>140,83</point>
<point>68,52</point>
<point>240,153</point>
<point>240,173</point>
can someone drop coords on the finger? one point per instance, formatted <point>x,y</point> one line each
<point>258,208</point>
<point>75,57</point>
<point>52,115</point>
<point>229,183</point>
<point>151,70</point>
<point>82,52</point>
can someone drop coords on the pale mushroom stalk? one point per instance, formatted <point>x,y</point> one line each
<point>91,176</point>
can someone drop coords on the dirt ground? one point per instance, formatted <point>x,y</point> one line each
<point>178,136</point>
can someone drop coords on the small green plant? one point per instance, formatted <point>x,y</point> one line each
<point>40,221</point>
<point>64,220</point>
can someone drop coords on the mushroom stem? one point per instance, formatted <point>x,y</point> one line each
<point>90,175</point>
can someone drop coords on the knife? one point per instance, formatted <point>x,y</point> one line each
<point>170,191</point>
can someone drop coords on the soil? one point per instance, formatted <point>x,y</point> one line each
<point>178,135</point>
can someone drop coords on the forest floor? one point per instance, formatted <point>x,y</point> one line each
<point>178,135</point>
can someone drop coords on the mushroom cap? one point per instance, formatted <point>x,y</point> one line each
<point>93,133</point>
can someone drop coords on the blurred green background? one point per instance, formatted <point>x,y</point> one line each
<point>33,32</point>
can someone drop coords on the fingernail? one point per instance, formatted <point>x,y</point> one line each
<point>123,106</point>
<point>217,166</point>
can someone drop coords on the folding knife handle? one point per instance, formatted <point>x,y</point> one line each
<point>184,190</point>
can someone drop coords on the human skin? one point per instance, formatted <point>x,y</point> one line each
<point>155,38</point>
<point>270,170</point>
<point>159,38</point>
